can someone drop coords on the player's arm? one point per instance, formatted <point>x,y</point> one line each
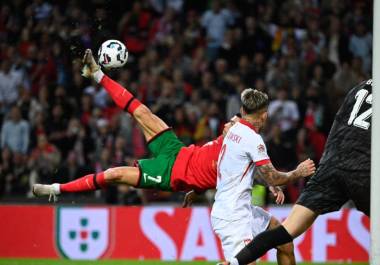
<point>190,197</point>
<point>273,177</point>
<point>278,194</point>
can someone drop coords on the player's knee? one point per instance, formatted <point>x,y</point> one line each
<point>112,175</point>
<point>287,249</point>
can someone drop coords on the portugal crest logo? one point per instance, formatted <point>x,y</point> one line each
<point>83,233</point>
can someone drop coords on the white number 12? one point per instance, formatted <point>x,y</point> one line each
<point>360,121</point>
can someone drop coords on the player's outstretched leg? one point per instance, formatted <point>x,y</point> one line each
<point>150,123</point>
<point>117,175</point>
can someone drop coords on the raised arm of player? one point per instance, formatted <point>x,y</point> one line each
<point>273,177</point>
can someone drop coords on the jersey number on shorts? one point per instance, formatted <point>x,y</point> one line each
<point>156,179</point>
<point>360,121</point>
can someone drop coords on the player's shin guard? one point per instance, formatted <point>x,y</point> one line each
<point>87,183</point>
<point>262,243</point>
<point>121,96</point>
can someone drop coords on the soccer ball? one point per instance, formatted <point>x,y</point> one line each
<point>112,54</point>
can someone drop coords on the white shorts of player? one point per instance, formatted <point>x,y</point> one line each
<point>235,235</point>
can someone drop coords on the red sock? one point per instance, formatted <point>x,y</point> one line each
<point>86,183</point>
<point>121,96</point>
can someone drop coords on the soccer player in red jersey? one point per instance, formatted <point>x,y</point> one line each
<point>173,167</point>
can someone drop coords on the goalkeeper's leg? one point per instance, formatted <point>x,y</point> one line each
<point>285,253</point>
<point>150,123</point>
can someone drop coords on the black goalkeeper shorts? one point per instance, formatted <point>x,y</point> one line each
<point>330,188</point>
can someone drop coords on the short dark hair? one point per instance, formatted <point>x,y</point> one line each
<point>254,100</point>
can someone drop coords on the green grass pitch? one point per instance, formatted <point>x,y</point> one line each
<point>129,262</point>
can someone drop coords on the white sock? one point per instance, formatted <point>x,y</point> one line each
<point>56,188</point>
<point>98,75</point>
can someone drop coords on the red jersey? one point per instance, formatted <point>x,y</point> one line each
<point>195,167</point>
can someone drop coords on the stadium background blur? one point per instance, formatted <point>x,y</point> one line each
<point>188,61</point>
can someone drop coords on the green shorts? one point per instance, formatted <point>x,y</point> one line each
<point>155,172</point>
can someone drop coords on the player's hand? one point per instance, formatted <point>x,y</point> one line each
<point>278,194</point>
<point>189,199</point>
<point>306,168</point>
<point>89,64</point>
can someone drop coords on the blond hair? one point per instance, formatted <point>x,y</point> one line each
<point>254,100</point>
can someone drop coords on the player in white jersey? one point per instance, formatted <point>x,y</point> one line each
<point>242,158</point>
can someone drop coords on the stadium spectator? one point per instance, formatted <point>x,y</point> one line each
<point>15,133</point>
<point>44,160</point>
<point>10,82</point>
<point>361,45</point>
<point>18,178</point>
<point>134,28</point>
<point>283,111</point>
<point>216,21</point>
<point>56,129</point>
<point>5,170</point>
<point>255,38</point>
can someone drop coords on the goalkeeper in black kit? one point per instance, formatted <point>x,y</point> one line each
<point>343,174</point>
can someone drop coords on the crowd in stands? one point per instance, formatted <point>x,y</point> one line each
<point>188,61</point>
